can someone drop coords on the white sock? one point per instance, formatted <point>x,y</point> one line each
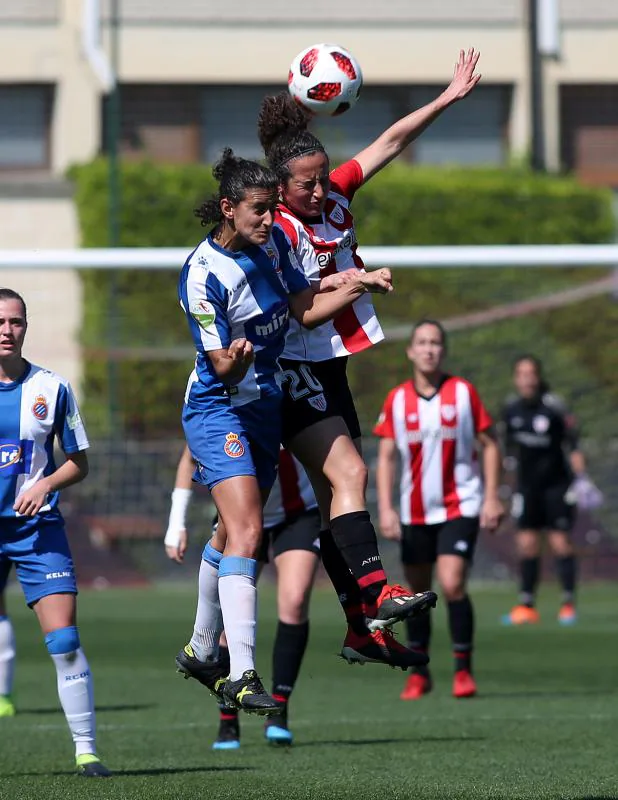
<point>208,619</point>
<point>7,656</point>
<point>76,694</point>
<point>238,595</point>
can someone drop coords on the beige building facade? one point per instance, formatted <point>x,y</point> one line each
<point>192,73</point>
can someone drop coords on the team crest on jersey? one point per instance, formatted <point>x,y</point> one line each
<point>274,257</point>
<point>449,413</point>
<point>233,447</point>
<point>336,215</point>
<point>540,424</point>
<point>40,408</point>
<point>412,418</point>
<point>318,402</point>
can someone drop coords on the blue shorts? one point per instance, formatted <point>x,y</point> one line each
<point>41,556</point>
<point>227,441</point>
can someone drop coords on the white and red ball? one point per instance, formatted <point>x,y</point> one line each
<point>325,79</point>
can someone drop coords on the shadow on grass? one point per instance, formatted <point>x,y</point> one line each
<point>406,740</point>
<point>125,773</point>
<point>58,710</point>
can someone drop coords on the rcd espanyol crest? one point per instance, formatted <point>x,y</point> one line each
<point>274,257</point>
<point>40,409</point>
<point>233,447</point>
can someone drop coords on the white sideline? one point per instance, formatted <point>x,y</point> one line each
<point>150,258</point>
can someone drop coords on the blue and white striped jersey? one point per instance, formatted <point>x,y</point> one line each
<point>229,295</point>
<point>33,411</point>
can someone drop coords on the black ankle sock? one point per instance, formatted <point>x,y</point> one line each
<point>530,569</point>
<point>567,569</point>
<point>288,651</point>
<point>461,624</point>
<point>343,583</point>
<point>356,540</point>
<point>419,636</point>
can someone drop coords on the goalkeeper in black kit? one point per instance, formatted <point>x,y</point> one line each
<point>541,435</point>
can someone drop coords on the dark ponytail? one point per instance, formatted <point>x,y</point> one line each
<point>234,175</point>
<point>283,134</point>
<point>544,386</point>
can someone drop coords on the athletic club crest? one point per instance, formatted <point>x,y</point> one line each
<point>318,402</point>
<point>448,413</point>
<point>233,447</point>
<point>40,409</point>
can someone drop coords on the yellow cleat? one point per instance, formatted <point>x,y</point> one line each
<point>7,709</point>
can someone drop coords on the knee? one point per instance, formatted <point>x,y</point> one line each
<point>293,607</point>
<point>528,547</point>
<point>245,541</point>
<point>453,589</point>
<point>63,642</point>
<point>351,474</point>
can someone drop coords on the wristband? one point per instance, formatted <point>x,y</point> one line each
<point>178,516</point>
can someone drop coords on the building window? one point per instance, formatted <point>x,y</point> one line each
<point>25,113</point>
<point>468,133</point>
<point>229,119</point>
<point>157,122</point>
<point>589,132</point>
<point>194,123</point>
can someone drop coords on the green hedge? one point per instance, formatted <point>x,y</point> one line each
<point>402,205</point>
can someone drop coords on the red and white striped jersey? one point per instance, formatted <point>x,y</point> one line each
<point>440,475</point>
<point>291,494</point>
<point>334,245</point>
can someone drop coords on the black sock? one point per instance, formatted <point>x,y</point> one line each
<point>419,635</point>
<point>357,542</point>
<point>566,568</point>
<point>343,583</point>
<point>530,569</point>
<point>461,624</point>
<point>226,714</point>
<point>288,651</point>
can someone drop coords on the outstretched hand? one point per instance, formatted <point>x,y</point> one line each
<point>464,77</point>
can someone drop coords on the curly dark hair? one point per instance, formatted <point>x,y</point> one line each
<point>235,175</point>
<point>282,131</point>
<point>10,294</point>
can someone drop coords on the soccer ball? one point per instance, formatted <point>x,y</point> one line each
<point>325,79</point>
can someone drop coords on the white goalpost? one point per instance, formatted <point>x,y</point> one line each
<point>151,258</point>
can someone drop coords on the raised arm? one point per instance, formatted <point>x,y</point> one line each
<point>396,138</point>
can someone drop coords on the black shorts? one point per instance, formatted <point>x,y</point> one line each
<point>537,509</point>
<point>300,533</point>
<point>313,391</point>
<point>422,544</point>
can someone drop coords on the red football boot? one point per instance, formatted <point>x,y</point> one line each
<point>416,686</point>
<point>396,604</point>
<point>380,647</point>
<point>464,684</point>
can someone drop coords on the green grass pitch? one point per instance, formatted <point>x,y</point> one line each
<point>544,726</point>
